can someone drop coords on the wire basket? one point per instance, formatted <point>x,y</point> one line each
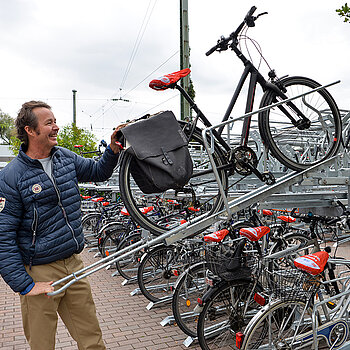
<point>223,262</point>
<point>293,284</point>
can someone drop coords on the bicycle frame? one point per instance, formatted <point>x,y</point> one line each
<point>210,133</point>
<point>255,78</point>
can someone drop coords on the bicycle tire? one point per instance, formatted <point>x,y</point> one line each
<point>128,266</point>
<point>223,315</point>
<point>110,238</point>
<point>260,334</point>
<point>295,148</point>
<point>189,286</point>
<point>205,186</point>
<point>91,224</point>
<point>156,274</point>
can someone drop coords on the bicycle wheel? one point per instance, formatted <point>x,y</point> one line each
<point>189,287</point>
<point>91,224</point>
<point>110,237</point>
<point>278,326</point>
<point>201,194</point>
<point>225,314</point>
<point>157,273</point>
<point>301,146</point>
<point>128,266</point>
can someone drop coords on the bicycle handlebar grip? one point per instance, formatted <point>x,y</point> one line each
<point>341,205</point>
<point>293,214</point>
<point>211,50</point>
<point>250,12</point>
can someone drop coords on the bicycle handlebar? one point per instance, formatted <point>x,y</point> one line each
<point>314,217</point>
<point>223,42</point>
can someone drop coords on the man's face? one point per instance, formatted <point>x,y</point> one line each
<point>45,134</point>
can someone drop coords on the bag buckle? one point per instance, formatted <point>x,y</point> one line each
<point>166,160</point>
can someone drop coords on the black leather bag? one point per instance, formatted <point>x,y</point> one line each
<point>161,157</point>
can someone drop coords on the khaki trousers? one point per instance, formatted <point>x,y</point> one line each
<point>75,307</point>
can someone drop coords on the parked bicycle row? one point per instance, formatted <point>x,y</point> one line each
<point>221,280</point>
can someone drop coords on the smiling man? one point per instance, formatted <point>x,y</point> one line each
<point>41,234</point>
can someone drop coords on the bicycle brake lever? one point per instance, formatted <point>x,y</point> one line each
<point>261,14</point>
<point>251,19</point>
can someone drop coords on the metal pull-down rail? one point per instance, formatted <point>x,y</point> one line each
<point>200,223</point>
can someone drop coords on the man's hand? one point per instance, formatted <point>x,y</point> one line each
<point>41,288</point>
<point>115,145</point>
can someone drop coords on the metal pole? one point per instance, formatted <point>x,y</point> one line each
<point>74,107</point>
<point>184,56</point>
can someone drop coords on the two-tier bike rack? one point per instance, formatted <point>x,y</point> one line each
<point>200,223</point>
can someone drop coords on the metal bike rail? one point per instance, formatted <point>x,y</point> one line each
<point>202,222</point>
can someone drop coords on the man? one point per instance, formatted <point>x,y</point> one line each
<point>41,233</point>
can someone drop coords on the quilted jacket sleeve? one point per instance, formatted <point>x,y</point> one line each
<point>90,170</point>
<point>11,265</point>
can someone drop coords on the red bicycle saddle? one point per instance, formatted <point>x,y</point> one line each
<point>169,80</point>
<point>286,218</point>
<point>143,210</point>
<point>217,236</point>
<point>254,233</point>
<point>312,263</point>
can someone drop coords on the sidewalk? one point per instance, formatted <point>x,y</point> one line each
<point>126,323</point>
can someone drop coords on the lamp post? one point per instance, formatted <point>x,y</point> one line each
<point>74,107</point>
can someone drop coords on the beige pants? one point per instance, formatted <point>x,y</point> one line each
<point>75,307</point>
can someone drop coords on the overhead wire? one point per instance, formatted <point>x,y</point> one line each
<point>136,46</point>
<point>113,103</point>
<point>138,42</point>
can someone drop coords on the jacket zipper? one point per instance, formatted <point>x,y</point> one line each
<point>32,247</point>
<point>60,204</point>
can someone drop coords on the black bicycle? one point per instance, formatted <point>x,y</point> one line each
<point>298,133</point>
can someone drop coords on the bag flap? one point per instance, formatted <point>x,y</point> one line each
<point>153,136</point>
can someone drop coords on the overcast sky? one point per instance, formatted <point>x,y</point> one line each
<point>110,49</point>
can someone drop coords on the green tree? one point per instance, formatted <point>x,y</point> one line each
<point>68,136</point>
<point>7,128</point>
<point>15,143</point>
<point>344,12</point>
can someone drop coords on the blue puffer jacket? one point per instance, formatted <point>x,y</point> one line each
<point>40,220</point>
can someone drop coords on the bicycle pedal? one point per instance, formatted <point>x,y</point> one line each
<point>331,305</point>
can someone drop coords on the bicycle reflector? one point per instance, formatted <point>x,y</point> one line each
<point>259,299</point>
<point>239,339</point>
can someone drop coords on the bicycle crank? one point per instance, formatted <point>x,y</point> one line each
<point>244,160</point>
<point>245,163</point>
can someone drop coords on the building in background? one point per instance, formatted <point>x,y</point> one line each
<point>6,155</point>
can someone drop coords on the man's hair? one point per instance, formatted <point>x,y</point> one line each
<point>26,117</point>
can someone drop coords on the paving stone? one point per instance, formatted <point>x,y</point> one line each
<point>125,322</point>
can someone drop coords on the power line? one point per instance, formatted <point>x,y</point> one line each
<point>138,42</point>
<point>132,89</point>
<point>152,73</point>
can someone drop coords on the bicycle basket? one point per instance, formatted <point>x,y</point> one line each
<point>227,262</point>
<point>293,284</point>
